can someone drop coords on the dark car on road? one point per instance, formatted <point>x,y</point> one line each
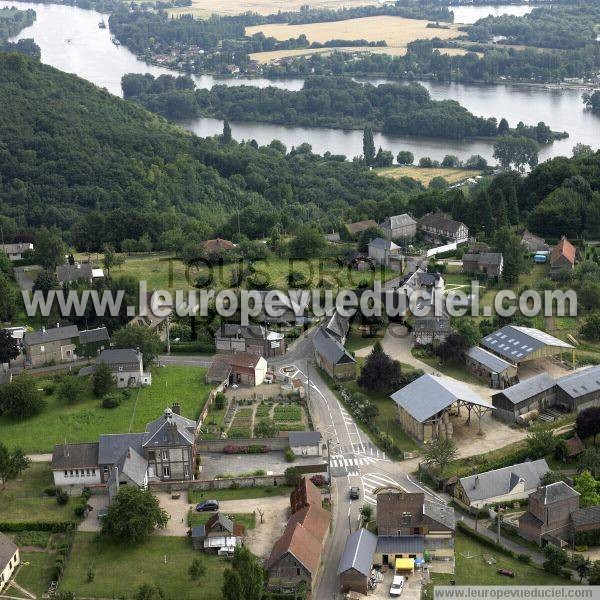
<point>354,493</point>
<point>208,506</point>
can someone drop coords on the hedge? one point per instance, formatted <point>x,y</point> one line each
<point>484,540</point>
<point>588,538</point>
<point>51,526</point>
<point>199,346</point>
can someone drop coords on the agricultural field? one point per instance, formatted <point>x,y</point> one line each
<point>425,175</point>
<point>266,57</point>
<point>204,8</point>
<point>396,31</point>
<point>120,570</point>
<point>87,419</point>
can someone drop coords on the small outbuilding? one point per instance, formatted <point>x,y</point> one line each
<point>535,393</point>
<point>497,372</point>
<point>357,561</point>
<point>332,357</point>
<point>305,443</point>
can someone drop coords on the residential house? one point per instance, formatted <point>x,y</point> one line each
<point>48,346</point>
<point>360,226</point>
<point>399,227</point>
<point>218,535</point>
<point>489,263</point>
<point>254,339</point>
<point>16,252</point>
<point>75,466</point>
<point>154,314</point>
<point>126,366</point>
<point>431,329</point>
<point>386,254</point>
<point>217,246</point>
<point>562,258</point>
<point>508,484</point>
<point>497,372</point>
<point>338,326</point>
<point>306,493</point>
<point>296,556</point>
<point>534,243</point>
<point>305,443</point>
<point>241,368</point>
<point>404,517</point>
<point>332,357</point>
<point>92,341</point>
<point>70,273</point>
<point>436,227</point>
<point>279,307</point>
<point>9,559</point>
<point>549,516</point>
<point>165,451</point>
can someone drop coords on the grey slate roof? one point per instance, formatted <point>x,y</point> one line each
<point>134,466</point>
<point>487,359</point>
<point>74,456</point>
<point>56,334</point>
<point>382,244</point>
<point>199,531</point>
<point>94,335</point>
<point>243,331</point>
<point>398,221</point>
<point>67,273</point>
<point>358,552</point>
<point>440,222</point>
<point>338,325</point>
<point>586,516</point>
<point>399,544</point>
<point>581,383</point>
<point>501,481</point>
<point>330,348</point>
<point>7,550</point>
<point>113,446</point>
<point>528,388</point>
<point>118,356</point>
<point>517,343</point>
<point>554,492</point>
<point>304,438</point>
<point>429,394</point>
<point>440,513</point>
<point>158,432</point>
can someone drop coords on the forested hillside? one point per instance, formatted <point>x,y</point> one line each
<point>103,170</point>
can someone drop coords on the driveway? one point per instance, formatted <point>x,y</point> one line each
<point>91,522</point>
<point>411,591</point>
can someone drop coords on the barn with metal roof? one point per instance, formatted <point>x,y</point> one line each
<point>520,344</point>
<point>424,404</point>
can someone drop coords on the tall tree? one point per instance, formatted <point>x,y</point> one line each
<point>441,452</point>
<point>139,337</point>
<point>102,380</point>
<point>21,398</point>
<point>12,463</point>
<point>247,577</point>
<point>226,137</point>
<point>49,248</point>
<point>589,488</point>
<point>111,259</point>
<point>8,300</point>
<point>588,423</point>
<point>380,373</point>
<point>368,146</point>
<point>9,348</point>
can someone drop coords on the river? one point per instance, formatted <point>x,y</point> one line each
<point>71,40</point>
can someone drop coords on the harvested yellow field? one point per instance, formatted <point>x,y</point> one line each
<point>396,31</point>
<point>204,8</point>
<point>266,57</point>
<point>425,175</point>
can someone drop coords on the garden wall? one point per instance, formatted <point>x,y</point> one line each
<point>278,443</point>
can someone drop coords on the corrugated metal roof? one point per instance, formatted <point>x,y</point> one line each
<point>397,544</point>
<point>431,394</point>
<point>487,359</point>
<point>501,481</point>
<point>581,383</point>
<point>358,552</point>
<point>516,343</point>
<point>528,388</point>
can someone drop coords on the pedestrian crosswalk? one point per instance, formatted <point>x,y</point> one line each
<point>348,459</point>
<point>373,482</point>
<point>363,450</point>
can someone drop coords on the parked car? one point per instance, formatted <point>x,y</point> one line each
<point>208,506</point>
<point>354,493</point>
<point>397,585</point>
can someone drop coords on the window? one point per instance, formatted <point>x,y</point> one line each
<point>66,473</point>
<point>186,471</point>
<point>105,470</point>
<point>94,472</point>
<point>164,454</point>
<point>166,471</point>
<point>71,473</point>
<point>42,349</point>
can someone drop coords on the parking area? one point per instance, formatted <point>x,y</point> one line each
<point>411,591</point>
<point>217,464</point>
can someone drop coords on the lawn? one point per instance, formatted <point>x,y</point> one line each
<point>23,499</point>
<point>424,175</point>
<point>121,569</point>
<point>36,572</point>
<point>356,340</point>
<point>475,571</point>
<point>396,31</point>
<point>242,493</point>
<point>86,420</point>
<point>455,371</point>
<point>248,520</point>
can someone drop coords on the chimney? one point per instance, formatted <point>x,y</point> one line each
<point>476,484</point>
<point>168,414</point>
<point>176,408</point>
<point>128,452</point>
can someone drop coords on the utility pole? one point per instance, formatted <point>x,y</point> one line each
<point>329,461</point>
<point>308,379</point>
<point>498,522</point>
<point>169,335</point>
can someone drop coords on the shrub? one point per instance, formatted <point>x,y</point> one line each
<point>319,480</point>
<point>220,401</point>
<point>49,389</point>
<point>289,455</point>
<point>111,401</point>
<point>50,491</point>
<point>62,497</point>
<point>524,558</point>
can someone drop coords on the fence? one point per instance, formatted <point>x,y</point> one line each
<point>217,484</point>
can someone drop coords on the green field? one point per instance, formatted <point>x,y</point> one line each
<point>121,569</point>
<point>475,571</point>
<point>242,493</point>
<point>23,499</point>
<point>86,420</point>
<point>425,174</point>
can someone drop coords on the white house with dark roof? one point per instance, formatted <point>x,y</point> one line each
<point>75,466</point>
<point>9,559</point>
<point>386,254</point>
<point>77,272</point>
<point>508,484</point>
<point>15,252</point>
